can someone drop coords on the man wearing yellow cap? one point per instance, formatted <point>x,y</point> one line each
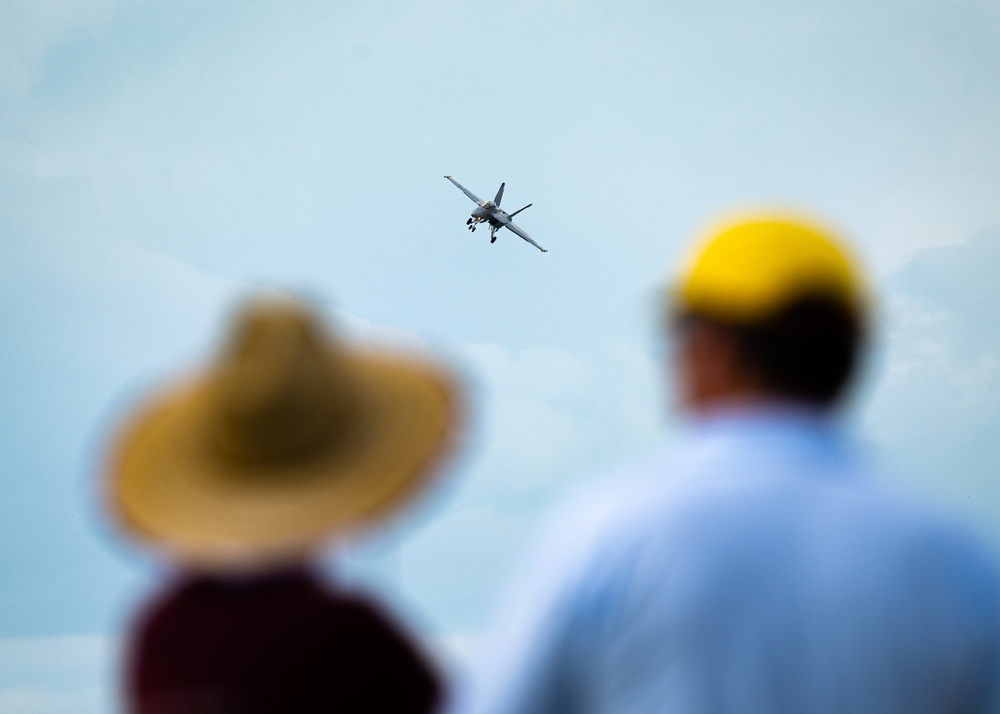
<point>759,565</point>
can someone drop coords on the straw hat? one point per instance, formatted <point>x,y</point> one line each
<point>289,438</point>
<point>750,267</point>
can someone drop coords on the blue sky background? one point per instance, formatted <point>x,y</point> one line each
<point>158,160</point>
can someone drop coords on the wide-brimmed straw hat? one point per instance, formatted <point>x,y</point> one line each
<point>291,437</point>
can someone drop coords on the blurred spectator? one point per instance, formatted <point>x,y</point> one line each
<point>239,477</point>
<point>760,565</point>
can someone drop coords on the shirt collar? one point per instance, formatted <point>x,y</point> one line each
<point>769,427</point>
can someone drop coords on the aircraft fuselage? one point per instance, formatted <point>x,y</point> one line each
<point>489,211</point>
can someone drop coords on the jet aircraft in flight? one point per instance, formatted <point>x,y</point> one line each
<point>490,212</point>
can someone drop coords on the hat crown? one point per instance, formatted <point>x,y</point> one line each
<point>749,267</point>
<point>278,392</point>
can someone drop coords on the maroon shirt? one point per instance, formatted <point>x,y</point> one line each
<point>285,643</point>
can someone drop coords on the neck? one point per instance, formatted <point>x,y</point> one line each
<point>759,405</point>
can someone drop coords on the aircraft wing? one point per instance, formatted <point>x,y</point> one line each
<point>518,231</point>
<point>464,190</point>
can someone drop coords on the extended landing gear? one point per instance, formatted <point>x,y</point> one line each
<point>493,238</point>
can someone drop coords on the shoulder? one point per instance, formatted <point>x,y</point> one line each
<point>371,649</point>
<point>685,505</point>
<point>364,615</point>
<point>174,602</point>
<point>585,538</point>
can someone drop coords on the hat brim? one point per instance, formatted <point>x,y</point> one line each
<point>217,514</point>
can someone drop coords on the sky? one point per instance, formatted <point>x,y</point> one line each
<point>161,160</point>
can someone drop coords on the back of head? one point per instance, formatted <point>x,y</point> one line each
<point>785,298</point>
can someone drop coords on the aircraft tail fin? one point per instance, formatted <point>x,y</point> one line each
<point>499,194</point>
<point>519,210</point>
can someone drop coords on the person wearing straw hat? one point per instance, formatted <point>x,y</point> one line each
<point>758,565</point>
<point>239,476</point>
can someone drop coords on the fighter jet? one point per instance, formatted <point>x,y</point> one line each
<point>490,212</point>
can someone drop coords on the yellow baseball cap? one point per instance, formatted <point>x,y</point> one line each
<point>746,269</point>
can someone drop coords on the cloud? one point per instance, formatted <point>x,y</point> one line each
<point>58,675</point>
<point>546,422</point>
<point>935,405</point>
<point>553,415</point>
<point>21,700</point>
<point>30,30</point>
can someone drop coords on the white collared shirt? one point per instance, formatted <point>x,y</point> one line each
<point>760,567</point>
